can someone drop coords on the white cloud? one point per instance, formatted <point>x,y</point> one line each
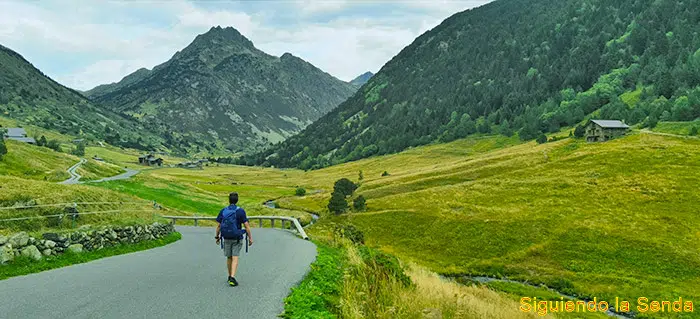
<point>83,46</point>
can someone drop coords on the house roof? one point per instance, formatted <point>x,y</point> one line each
<point>610,124</point>
<point>16,132</point>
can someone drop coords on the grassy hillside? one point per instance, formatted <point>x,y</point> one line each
<point>22,192</point>
<point>678,128</point>
<point>41,163</point>
<point>611,219</point>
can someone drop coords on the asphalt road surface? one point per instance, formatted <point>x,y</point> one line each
<point>129,173</point>
<point>74,176</point>
<point>186,279</point>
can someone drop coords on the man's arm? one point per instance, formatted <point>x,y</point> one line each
<point>218,233</point>
<point>247,230</point>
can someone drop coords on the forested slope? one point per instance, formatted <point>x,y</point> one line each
<point>516,66</point>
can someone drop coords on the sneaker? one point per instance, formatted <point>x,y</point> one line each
<point>232,282</point>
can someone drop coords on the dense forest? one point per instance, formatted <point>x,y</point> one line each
<point>522,67</point>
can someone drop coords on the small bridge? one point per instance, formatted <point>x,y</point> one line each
<point>286,222</point>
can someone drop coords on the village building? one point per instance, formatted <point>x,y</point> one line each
<point>604,130</point>
<point>150,160</point>
<point>18,134</point>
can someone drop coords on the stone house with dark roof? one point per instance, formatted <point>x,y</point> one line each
<point>604,130</point>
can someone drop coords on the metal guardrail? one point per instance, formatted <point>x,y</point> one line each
<point>283,219</point>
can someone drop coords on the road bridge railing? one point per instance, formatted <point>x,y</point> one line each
<point>286,222</point>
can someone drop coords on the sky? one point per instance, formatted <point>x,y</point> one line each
<point>85,43</point>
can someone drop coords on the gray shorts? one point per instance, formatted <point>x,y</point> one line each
<point>232,247</point>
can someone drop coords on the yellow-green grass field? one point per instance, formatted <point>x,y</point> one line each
<point>103,207</point>
<point>125,157</point>
<point>204,192</point>
<point>605,220</point>
<point>41,163</point>
<point>678,128</point>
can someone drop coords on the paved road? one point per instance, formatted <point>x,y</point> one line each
<point>74,176</point>
<point>186,279</point>
<point>129,173</point>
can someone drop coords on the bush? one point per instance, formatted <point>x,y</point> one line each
<point>300,191</point>
<point>359,203</point>
<point>385,174</point>
<point>579,131</point>
<point>3,147</point>
<point>693,131</point>
<point>80,150</point>
<point>542,139</point>
<point>351,233</point>
<point>54,145</point>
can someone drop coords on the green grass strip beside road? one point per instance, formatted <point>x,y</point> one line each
<point>23,265</point>
<point>318,295</point>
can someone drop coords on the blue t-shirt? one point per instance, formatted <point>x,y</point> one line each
<point>241,216</point>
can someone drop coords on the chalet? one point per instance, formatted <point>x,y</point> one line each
<point>603,130</point>
<point>97,158</point>
<point>19,134</point>
<point>150,160</point>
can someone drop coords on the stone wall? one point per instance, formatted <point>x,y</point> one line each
<point>83,239</point>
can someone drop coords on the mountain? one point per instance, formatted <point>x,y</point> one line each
<point>222,93</point>
<point>362,79</point>
<point>516,66</point>
<point>29,95</point>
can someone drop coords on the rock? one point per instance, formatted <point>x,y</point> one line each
<point>75,248</point>
<point>55,237</point>
<point>3,240</point>
<point>84,227</point>
<point>6,254</point>
<point>112,235</point>
<point>31,252</point>
<point>32,241</point>
<point>19,240</point>
<point>50,243</point>
<point>46,252</point>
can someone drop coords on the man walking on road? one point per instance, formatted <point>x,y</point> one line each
<point>230,230</point>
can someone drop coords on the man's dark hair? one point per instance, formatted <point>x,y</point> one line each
<point>233,198</point>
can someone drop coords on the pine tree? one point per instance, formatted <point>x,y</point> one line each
<point>542,139</point>
<point>337,204</point>
<point>42,141</point>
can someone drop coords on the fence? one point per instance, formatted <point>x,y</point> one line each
<point>272,219</point>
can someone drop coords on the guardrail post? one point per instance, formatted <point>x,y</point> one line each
<point>196,221</point>
<point>260,221</point>
<point>284,224</point>
<point>272,223</point>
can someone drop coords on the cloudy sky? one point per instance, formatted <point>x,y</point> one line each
<point>83,44</point>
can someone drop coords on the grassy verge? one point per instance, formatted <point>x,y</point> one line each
<point>349,281</point>
<point>23,265</point>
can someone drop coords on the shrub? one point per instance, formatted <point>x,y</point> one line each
<point>385,174</point>
<point>351,233</point>
<point>54,145</point>
<point>542,139</point>
<point>579,131</point>
<point>359,203</point>
<point>300,191</point>
<point>3,147</point>
<point>693,131</point>
<point>79,150</point>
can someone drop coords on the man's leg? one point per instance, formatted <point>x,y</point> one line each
<point>228,265</point>
<point>232,266</point>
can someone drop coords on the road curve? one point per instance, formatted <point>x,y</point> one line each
<point>74,176</point>
<point>128,174</point>
<point>185,279</point>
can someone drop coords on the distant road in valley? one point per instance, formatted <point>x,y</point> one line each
<point>186,279</point>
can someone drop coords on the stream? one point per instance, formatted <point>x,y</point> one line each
<point>485,280</point>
